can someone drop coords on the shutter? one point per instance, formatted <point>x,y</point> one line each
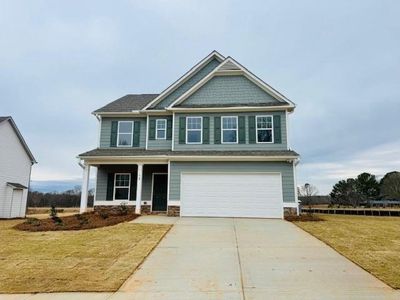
<point>206,130</point>
<point>136,134</point>
<point>132,196</point>
<point>182,130</point>
<point>252,129</point>
<point>242,130</point>
<point>277,130</point>
<point>114,133</point>
<point>217,130</point>
<point>152,130</point>
<point>169,128</point>
<point>110,187</point>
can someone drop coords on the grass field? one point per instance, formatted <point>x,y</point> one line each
<point>371,242</point>
<point>88,260</point>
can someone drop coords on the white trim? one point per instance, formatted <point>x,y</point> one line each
<point>114,202</point>
<point>296,197</point>
<point>99,133</point>
<point>173,132</point>
<point>268,89</point>
<point>174,203</point>
<point>231,109</point>
<point>129,186</point>
<point>186,76</point>
<point>165,129</point>
<point>152,187</point>
<point>169,178</point>
<point>139,187</point>
<point>290,204</point>
<point>147,132</point>
<point>287,130</point>
<point>124,146</point>
<point>201,131</point>
<point>272,129</point>
<point>222,130</point>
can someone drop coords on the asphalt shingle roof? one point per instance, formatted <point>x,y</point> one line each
<point>128,103</point>
<point>143,152</point>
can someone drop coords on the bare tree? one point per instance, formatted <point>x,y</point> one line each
<point>307,191</point>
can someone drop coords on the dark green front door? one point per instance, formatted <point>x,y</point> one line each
<point>160,187</point>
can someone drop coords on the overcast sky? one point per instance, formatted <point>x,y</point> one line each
<point>339,61</point>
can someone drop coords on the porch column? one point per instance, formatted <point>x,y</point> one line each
<point>85,188</point>
<point>139,188</point>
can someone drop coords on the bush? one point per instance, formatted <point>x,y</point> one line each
<point>103,214</point>
<point>33,221</point>
<point>53,212</point>
<point>122,209</point>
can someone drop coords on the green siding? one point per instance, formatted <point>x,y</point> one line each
<point>229,90</point>
<point>286,169</point>
<point>188,84</point>
<point>105,134</point>
<point>159,144</point>
<point>245,146</point>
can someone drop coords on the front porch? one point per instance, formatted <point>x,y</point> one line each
<point>143,188</point>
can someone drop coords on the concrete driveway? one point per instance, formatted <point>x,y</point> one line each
<point>213,258</point>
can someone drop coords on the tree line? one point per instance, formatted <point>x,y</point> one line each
<point>69,198</point>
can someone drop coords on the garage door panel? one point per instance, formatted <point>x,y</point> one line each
<point>231,195</point>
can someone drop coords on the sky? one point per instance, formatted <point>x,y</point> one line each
<point>339,61</point>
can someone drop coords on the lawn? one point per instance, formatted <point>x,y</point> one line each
<point>371,242</point>
<point>87,260</point>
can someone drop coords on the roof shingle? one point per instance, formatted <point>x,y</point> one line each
<point>128,103</point>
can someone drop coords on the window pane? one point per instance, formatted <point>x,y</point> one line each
<point>229,136</point>
<point>264,122</point>
<point>125,139</point>
<point>161,124</point>
<point>121,193</point>
<point>194,123</point>
<point>125,127</point>
<point>161,133</point>
<point>122,180</point>
<point>264,136</point>
<point>229,123</point>
<point>194,136</point>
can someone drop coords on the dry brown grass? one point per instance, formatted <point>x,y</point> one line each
<point>371,242</point>
<point>59,261</point>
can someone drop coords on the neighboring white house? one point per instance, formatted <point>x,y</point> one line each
<point>16,161</point>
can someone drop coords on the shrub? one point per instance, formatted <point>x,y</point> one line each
<point>103,214</point>
<point>122,209</point>
<point>33,221</point>
<point>53,212</point>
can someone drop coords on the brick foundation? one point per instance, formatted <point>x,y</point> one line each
<point>289,211</point>
<point>113,209</point>
<point>145,210</point>
<point>174,211</point>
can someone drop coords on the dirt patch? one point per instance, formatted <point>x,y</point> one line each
<point>304,218</point>
<point>83,221</point>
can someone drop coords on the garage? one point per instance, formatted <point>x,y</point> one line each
<point>255,195</point>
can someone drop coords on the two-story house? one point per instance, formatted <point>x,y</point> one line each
<point>214,143</point>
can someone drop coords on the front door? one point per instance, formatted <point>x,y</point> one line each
<point>160,189</point>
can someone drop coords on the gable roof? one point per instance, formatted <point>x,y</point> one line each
<point>231,67</point>
<point>128,103</point>
<point>213,55</point>
<point>20,137</point>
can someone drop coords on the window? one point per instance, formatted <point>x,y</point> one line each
<point>229,130</point>
<point>161,129</point>
<point>122,185</point>
<point>194,131</point>
<point>125,134</point>
<point>264,129</point>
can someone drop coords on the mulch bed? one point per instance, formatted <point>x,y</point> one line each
<point>304,218</point>
<point>83,221</point>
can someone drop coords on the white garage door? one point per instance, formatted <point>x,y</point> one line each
<point>257,195</point>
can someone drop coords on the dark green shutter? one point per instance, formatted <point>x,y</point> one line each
<point>169,128</point>
<point>277,130</point>
<point>110,187</point>
<point>206,130</point>
<point>114,133</point>
<point>252,129</point>
<point>136,134</point>
<point>242,130</point>
<point>133,186</point>
<point>152,130</point>
<point>182,130</point>
<point>217,130</point>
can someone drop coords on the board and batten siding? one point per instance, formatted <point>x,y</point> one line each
<point>245,146</point>
<point>188,84</point>
<point>105,132</point>
<point>229,90</point>
<point>286,169</point>
<point>159,144</point>
<point>15,166</point>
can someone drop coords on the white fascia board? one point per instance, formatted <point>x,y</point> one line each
<point>187,75</point>
<point>243,71</point>
<point>231,109</point>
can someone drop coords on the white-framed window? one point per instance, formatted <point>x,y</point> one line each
<point>229,129</point>
<point>122,186</point>
<point>194,130</point>
<point>161,129</point>
<point>125,134</point>
<point>265,132</point>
